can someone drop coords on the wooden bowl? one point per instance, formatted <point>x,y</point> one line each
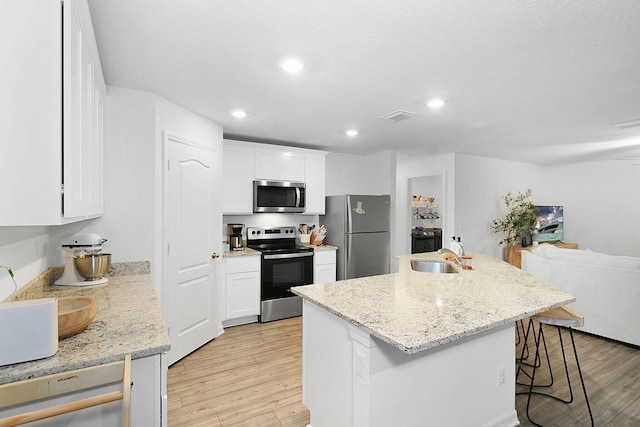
<point>75,314</point>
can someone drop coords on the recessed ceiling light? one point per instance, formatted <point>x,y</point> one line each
<point>351,132</point>
<point>239,114</point>
<point>292,65</point>
<point>435,103</point>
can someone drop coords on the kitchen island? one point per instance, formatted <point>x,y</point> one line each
<point>128,321</point>
<point>415,348</point>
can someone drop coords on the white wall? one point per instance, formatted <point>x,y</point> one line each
<point>129,183</point>
<point>25,251</point>
<point>600,206</point>
<point>480,185</point>
<point>601,203</point>
<point>370,174</point>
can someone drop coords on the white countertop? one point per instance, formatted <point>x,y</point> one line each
<point>414,311</point>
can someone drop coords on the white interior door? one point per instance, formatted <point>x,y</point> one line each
<point>194,237</point>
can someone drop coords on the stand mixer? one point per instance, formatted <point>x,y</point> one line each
<point>75,246</point>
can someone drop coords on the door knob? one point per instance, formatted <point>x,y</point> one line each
<point>215,255</point>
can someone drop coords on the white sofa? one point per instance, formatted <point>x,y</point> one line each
<point>606,287</point>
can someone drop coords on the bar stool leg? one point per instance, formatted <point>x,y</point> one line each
<point>584,390</point>
<point>566,369</point>
<point>537,361</point>
<point>525,348</point>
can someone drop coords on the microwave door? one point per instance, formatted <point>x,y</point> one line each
<point>275,197</point>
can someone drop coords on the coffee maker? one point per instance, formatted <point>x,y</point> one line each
<point>235,237</point>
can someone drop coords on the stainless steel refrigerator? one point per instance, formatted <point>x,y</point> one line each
<point>359,226</point>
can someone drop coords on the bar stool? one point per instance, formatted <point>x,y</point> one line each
<point>561,317</point>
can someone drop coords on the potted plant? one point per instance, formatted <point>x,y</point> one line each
<point>518,223</point>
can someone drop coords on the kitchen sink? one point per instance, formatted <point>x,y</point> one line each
<point>432,266</point>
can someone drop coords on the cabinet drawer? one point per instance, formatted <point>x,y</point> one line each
<point>325,257</point>
<point>240,264</point>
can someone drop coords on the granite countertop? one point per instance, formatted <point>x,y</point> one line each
<point>415,311</point>
<point>128,321</point>
<point>244,252</point>
<point>318,247</point>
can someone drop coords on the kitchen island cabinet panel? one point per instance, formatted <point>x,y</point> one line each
<point>373,384</point>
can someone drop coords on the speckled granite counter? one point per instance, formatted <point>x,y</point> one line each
<point>319,247</point>
<point>414,311</point>
<point>244,252</point>
<point>128,321</point>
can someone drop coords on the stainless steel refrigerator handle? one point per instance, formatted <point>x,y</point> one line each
<point>349,216</point>
<point>284,256</point>
<point>347,258</point>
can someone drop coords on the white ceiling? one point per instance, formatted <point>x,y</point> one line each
<point>539,81</point>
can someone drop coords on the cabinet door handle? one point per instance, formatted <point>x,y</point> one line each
<point>215,255</point>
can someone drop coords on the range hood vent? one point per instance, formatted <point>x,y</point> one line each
<point>398,115</point>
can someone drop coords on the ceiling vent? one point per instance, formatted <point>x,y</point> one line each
<point>398,115</point>
<point>626,125</point>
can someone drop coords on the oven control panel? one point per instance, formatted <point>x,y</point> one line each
<point>262,233</point>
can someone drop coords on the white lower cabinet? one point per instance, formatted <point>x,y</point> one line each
<point>148,400</point>
<point>242,299</point>
<point>324,266</point>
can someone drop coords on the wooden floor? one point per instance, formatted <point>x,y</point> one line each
<point>251,376</point>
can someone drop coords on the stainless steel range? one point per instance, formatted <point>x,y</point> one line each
<point>284,264</point>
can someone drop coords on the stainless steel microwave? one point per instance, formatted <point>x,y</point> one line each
<point>278,196</point>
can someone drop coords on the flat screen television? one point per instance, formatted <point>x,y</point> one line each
<point>549,224</point>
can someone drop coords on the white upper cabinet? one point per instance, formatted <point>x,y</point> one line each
<point>314,177</point>
<point>52,139</point>
<point>279,164</point>
<point>246,161</point>
<point>238,170</point>
<point>84,92</point>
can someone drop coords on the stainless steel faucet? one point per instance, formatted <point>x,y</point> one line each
<point>455,255</point>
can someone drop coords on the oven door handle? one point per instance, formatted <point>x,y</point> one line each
<point>292,255</point>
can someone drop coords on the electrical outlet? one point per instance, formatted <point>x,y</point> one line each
<point>500,376</point>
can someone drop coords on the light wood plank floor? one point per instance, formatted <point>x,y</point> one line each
<point>251,376</point>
